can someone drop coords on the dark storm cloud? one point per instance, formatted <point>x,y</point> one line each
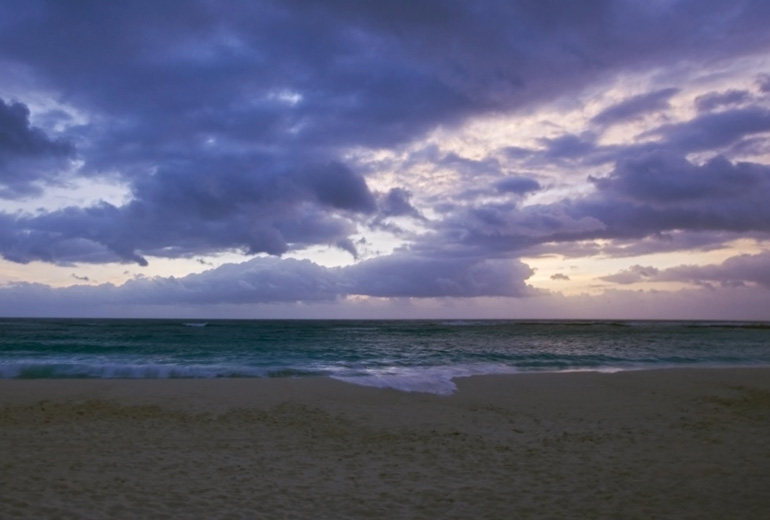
<point>180,212</point>
<point>652,191</point>
<point>712,100</point>
<point>733,129</point>
<point>363,73</point>
<point>18,138</point>
<point>660,191</point>
<point>27,154</point>
<point>517,184</point>
<point>661,177</point>
<point>568,146</point>
<point>646,197</point>
<point>715,130</point>
<point>635,107</point>
<point>230,126</point>
<point>500,228</point>
<point>337,186</point>
<point>20,243</point>
<point>267,72</point>
<point>396,203</point>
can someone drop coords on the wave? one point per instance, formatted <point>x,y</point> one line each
<point>73,370</point>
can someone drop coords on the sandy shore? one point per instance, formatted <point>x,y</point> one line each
<point>659,444</point>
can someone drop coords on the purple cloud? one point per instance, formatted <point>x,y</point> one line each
<point>715,130</point>
<point>243,129</point>
<point>395,203</point>
<point>27,154</point>
<point>712,100</point>
<point>736,271</point>
<point>274,280</point>
<point>180,213</point>
<point>517,184</point>
<point>411,275</point>
<point>634,107</point>
<point>634,274</point>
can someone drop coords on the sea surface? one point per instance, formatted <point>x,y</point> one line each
<point>406,355</point>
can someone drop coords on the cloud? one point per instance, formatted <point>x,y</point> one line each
<point>731,130</point>
<point>634,274</point>
<point>560,276</point>
<point>712,100</point>
<point>411,275</point>
<point>736,271</point>
<point>635,106</point>
<point>20,139</point>
<point>714,130</point>
<point>242,129</point>
<point>272,280</point>
<point>27,154</point>
<point>665,241</point>
<point>337,186</point>
<point>720,302</point>
<point>493,229</point>
<point>182,212</point>
<point>395,203</point>
<point>659,192</point>
<point>259,280</point>
<point>517,184</point>
<point>662,177</point>
<point>463,165</point>
<point>568,146</point>
<point>651,201</point>
<point>764,83</point>
<point>345,73</point>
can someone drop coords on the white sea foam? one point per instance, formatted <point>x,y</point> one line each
<point>435,380</point>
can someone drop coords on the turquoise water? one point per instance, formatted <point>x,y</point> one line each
<point>409,355</point>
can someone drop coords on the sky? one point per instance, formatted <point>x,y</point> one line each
<point>400,159</point>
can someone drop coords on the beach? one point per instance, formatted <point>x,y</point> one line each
<point>678,443</point>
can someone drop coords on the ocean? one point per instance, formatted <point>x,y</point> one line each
<point>419,355</point>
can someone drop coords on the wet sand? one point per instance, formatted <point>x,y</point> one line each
<point>656,444</point>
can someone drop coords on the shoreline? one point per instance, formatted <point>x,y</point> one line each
<point>674,442</point>
<point>46,388</point>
